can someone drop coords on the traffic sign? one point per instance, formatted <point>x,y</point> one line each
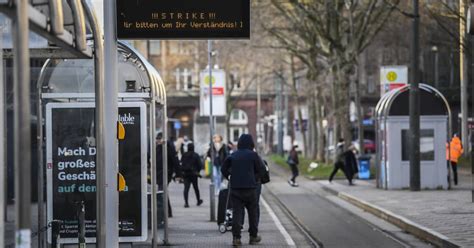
<point>177,125</point>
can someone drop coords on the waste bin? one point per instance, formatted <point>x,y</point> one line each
<point>364,167</point>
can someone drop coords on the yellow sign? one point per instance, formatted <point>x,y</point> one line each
<point>120,131</point>
<point>391,76</point>
<point>206,80</point>
<point>121,183</point>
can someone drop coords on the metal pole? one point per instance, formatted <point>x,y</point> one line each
<point>436,74</point>
<point>154,213</point>
<point>100,110</point>
<point>415,106</point>
<point>259,116</point>
<point>463,70</point>
<point>165,172</point>
<point>2,146</point>
<point>280,115</point>
<point>21,122</point>
<point>107,194</point>
<point>39,136</point>
<point>211,134</point>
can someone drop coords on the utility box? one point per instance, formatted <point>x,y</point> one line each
<point>393,139</point>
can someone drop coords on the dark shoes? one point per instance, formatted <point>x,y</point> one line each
<point>186,205</point>
<point>236,242</point>
<point>200,202</point>
<point>255,240</point>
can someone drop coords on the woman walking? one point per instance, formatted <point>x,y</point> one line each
<point>191,166</point>
<point>293,162</point>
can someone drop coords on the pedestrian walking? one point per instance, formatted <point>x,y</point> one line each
<point>220,154</point>
<point>293,162</point>
<point>244,168</point>
<point>345,161</point>
<point>191,165</point>
<point>173,165</point>
<point>453,151</point>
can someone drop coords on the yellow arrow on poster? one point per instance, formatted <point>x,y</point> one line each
<point>121,183</point>
<point>120,131</point>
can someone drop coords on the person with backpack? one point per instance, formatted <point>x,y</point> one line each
<point>191,165</point>
<point>244,169</point>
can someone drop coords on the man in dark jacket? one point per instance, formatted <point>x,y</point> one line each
<point>244,167</point>
<point>191,165</point>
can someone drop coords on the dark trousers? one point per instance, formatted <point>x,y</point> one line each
<point>244,198</point>
<point>294,171</point>
<point>188,180</point>
<point>337,166</point>
<point>454,166</point>
<point>259,192</point>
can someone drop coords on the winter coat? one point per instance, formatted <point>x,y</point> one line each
<point>219,156</point>
<point>244,166</point>
<point>191,163</point>
<point>173,163</point>
<point>293,157</point>
<point>454,150</point>
<point>350,163</point>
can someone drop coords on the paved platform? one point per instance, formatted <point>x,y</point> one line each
<point>190,227</point>
<point>443,217</point>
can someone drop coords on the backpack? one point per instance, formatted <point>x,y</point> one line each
<point>265,178</point>
<point>187,162</point>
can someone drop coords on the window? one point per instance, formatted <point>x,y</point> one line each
<point>154,47</point>
<point>236,132</point>
<point>426,145</point>
<point>184,79</point>
<point>235,80</point>
<point>238,117</point>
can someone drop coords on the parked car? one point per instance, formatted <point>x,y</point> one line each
<point>369,145</point>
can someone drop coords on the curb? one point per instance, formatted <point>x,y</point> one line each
<point>403,223</point>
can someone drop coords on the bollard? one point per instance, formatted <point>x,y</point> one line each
<point>82,225</point>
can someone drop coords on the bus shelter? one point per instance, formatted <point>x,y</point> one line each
<point>392,139</point>
<point>67,112</point>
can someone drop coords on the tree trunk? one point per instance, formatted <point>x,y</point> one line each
<point>297,104</point>
<point>360,114</point>
<point>343,111</point>
<point>319,127</point>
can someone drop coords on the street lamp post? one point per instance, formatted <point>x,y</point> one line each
<point>212,201</point>
<point>415,105</point>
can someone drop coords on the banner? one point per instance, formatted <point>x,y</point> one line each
<point>183,19</point>
<point>71,170</point>
<point>219,107</point>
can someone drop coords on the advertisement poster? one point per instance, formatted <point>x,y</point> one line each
<point>72,169</point>
<point>219,107</point>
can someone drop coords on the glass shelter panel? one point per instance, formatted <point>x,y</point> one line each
<point>426,145</point>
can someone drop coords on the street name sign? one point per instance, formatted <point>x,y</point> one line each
<point>183,19</point>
